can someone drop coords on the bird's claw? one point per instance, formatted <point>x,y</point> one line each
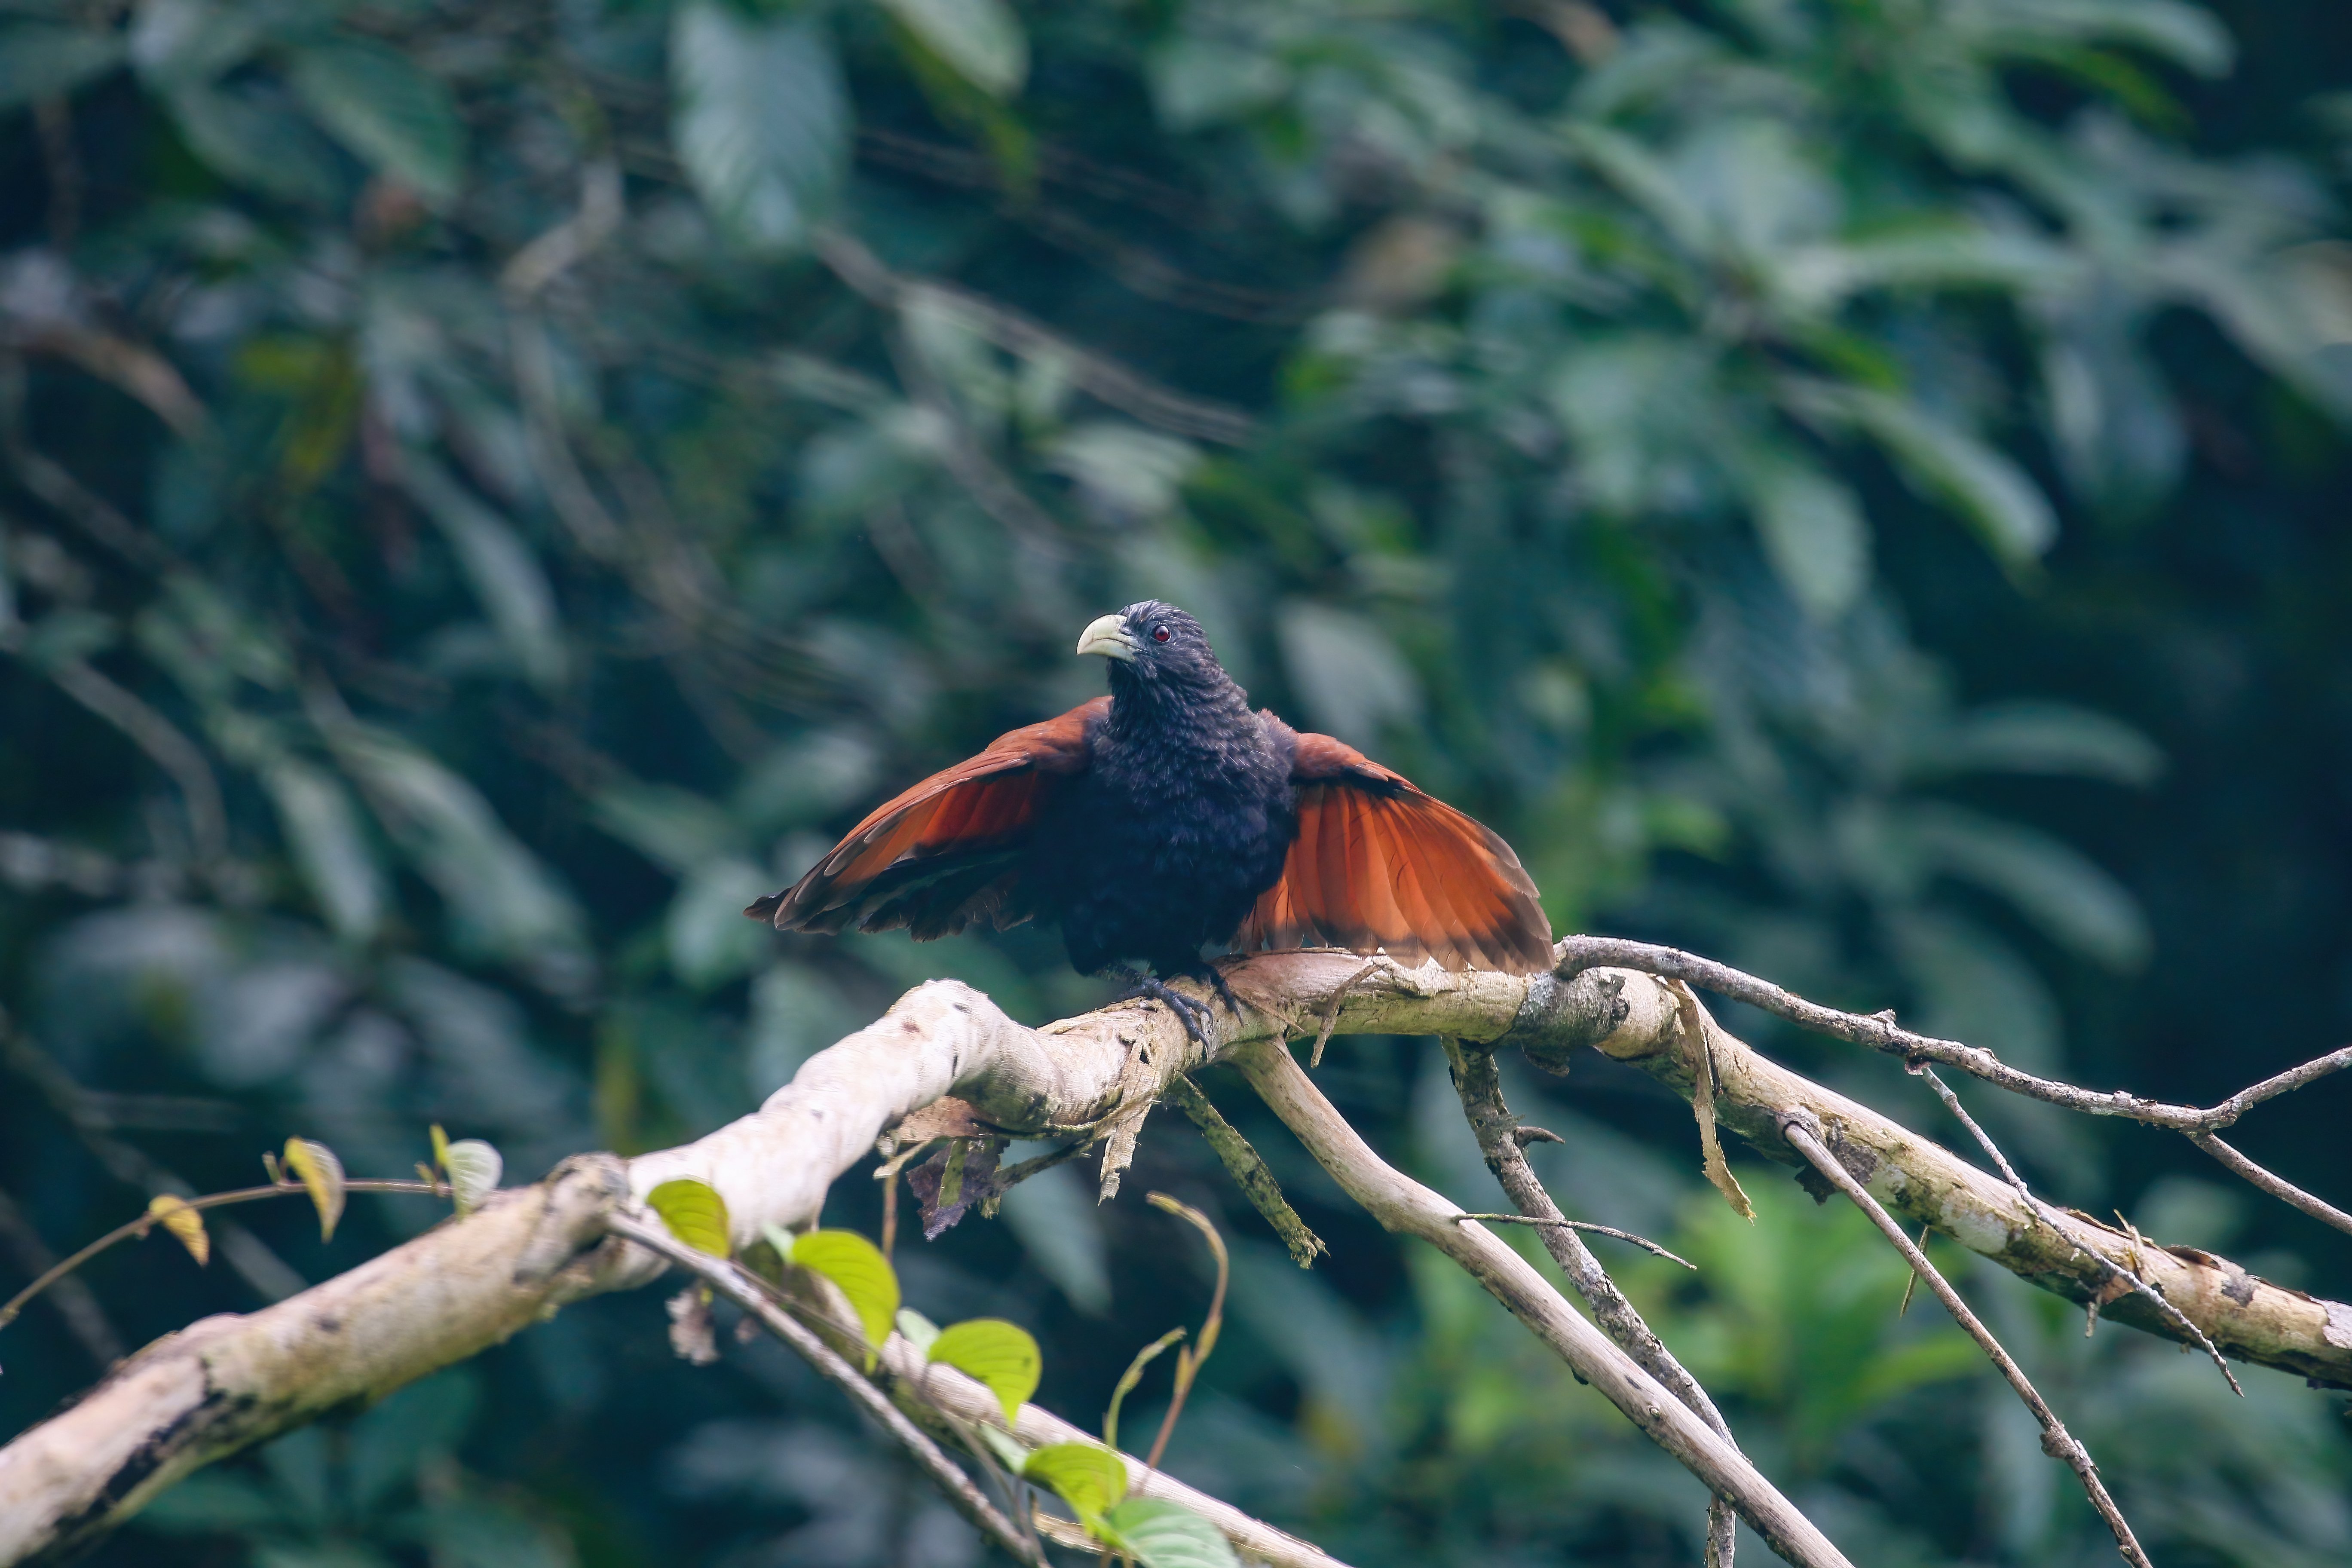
<point>1224,992</point>
<point>1194,1015</point>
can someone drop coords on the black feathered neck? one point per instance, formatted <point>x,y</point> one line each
<point>1176,684</point>
<point>1208,693</point>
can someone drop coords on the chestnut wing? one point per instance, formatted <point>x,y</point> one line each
<point>948,851</point>
<point>1377,864</point>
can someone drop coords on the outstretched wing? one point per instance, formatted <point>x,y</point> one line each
<point>948,852</point>
<point>1377,864</point>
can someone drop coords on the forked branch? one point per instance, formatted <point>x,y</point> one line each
<point>231,1381</point>
<point>1634,1017</point>
<point>1480,1087</point>
<point>1403,1204</point>
<point>2124,1275</point>
<point>1803,1132</point>
<point>1880,1033</point>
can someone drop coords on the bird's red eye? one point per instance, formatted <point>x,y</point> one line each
<point>1160,634</point>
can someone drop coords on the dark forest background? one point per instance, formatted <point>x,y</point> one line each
<point>1854,487</point>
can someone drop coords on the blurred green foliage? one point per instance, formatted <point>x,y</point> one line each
<point>490,488</point>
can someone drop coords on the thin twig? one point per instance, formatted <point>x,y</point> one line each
<point>2271,1088</point>
<point>1642,1242</point>
<point>887,1175</point>
<point>1910,1280</point>
<point>992,489</point>
<point>1403,1204</point>
<point>1802,1132</point>
<point>732,1282</point>
<point>1984,1140</point>
<point>556,251</point>
<point>58,490</point>
<point>150,1219</point>
<point>969,463</point>
<point>1880,1033</point>
<point>2129,1276</point>
<point>1479,1083</point>
<point>2317,1208</point>
<point>1014,1175</point>
<point>1248,1169</point>
<point>270,1276</point>
<point>1123,388</point>
<point>574,500</point>
<point>1129,1378</point>
<point>132,368</point>
<point>85,1318</point>
<point>1189,1359</point>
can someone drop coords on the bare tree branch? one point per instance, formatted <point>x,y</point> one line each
<point>1403,1204</point>
<point>1538,1222</point>
<point>1632,1015</point>
<point>57,488</point>
<point>230,1382</point>
<point>1803,1129</point>
<point>132,368</point>
<point>165,745</point>
<point>2286,1191</point>
<point>60,1481</point>
<point>1480,1087</point>
<point>1880,1033</point>
<point>2009,1172</point>
<point>1248,1169</point>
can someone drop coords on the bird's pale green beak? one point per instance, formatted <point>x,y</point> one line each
<point>1107,635</point>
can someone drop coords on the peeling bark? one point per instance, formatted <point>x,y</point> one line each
<point>228,1382</point>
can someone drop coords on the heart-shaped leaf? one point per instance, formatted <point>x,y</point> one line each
<point>695,1213</point>
<point>1087,1476</point>
<point>999,1354</point>
<point>1166,1535</point>
<point>858,1268</point>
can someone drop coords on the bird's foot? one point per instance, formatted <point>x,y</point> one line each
<point>1216,979</point>
<point>1194,1015</point>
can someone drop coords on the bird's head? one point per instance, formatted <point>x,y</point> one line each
<point>1152,645</point>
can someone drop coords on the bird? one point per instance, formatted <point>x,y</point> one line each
<point>1167,816</point>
